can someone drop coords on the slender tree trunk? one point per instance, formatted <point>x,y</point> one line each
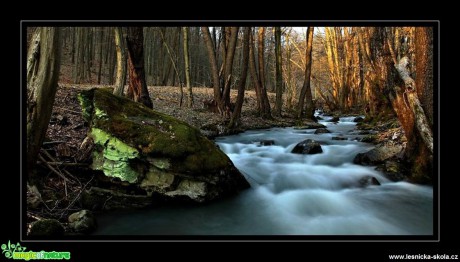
<point>43,62</point>
<point>279,72</point>
<point>253,70</point>
<point>305,93</point>
<point>244,72</point>
<point>137,89</point>
<point>213,64</point>
<point>99,71</point>
<point>230,54</point>
<point>187,67</point>
<point>121,61</point>
<point>265,112</point>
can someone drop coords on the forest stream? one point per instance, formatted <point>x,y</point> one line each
<point>293,194</point>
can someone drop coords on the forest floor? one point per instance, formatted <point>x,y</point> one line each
<point>65,157</point>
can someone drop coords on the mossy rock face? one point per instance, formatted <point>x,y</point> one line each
<point>154,151</point>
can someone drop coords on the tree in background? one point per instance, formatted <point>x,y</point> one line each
<point>278,72</point>
<point>241,86</point>
<point>305,93</point>
<point>137,89</point>
<point>43,63</point>
<point>187,67</point>
<point>221,79</point>
<point>258,73</point>
<point>121,61</point>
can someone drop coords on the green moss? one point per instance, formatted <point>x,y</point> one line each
<point>124,130</point>
<point>114,157</point>
<point>86,102</point>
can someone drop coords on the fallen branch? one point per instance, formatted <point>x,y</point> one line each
<point>421,121</point>
<point>70,110</point>
<point>53,169</point>
<point>63,163</point>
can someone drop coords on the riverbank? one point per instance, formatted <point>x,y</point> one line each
<point>64,174</point>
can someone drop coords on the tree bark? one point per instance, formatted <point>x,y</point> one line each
<point>137,89</point>
<point>43,63</point>
<point>213,63</point>
<point>230,54</point>
<point>121,61</point>
<point>424,69</point>
<point>187,67</point>
<point>305,93</point>
<point>241,86</point>
<point>279,72</point>
<point>265,103</point>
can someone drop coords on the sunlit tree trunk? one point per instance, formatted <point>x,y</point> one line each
<point>137,89</point>
<point>187,67</point>
<point>121,61</point>
<point>43,63</point>
<point>242,84</point>
<point>305,93</point>
<point>279,72</point>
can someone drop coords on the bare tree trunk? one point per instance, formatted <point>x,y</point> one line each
<point>305,93</point>
<point>99,71</point>
<point>265,110</point>
<point>137,89</point>
<point>424,69</point>
<point>230,54</point>
<point>244,72</point>
<point>43,62</point>
<point>121,61</point>
<point>279,72</point>
<point>213,64</point>
<point>253,70</point>
<point>187,67</point>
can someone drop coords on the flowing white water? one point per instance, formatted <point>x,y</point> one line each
<point>293,194</point>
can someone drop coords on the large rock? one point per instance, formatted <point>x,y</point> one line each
<point>308,146</point>
<point>154,153</point>
<point>379,154</point>
<point>82,221</point>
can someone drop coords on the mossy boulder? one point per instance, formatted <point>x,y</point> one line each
<point>154,152</point>
<point>46,227</point>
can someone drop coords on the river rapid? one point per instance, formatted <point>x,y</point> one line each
<point>293,194</point>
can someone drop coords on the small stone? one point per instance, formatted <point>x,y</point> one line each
<point>339,138</point>
<point>322,131</point>
<point>267,142</point>
<point>368,181</point>
<point>308,146</point>
<point>358,119</point>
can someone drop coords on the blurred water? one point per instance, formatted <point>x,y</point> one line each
<point>293,194</point>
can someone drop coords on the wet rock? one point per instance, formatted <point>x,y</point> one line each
<point>46,227</point>
<point>370,138</point>
<point>267,142</point>
<point>368,181</point>
<point>334,119</point>
<point>311,125</point>
<point>338,138</point>
<point>34,198</point>
<point>139,148</point>
<point>379,154</point>
<point>393,170</point>
<point>82,222</point>
<point>322,131</point>
<point>358,119</point>
<point>308,146</point>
